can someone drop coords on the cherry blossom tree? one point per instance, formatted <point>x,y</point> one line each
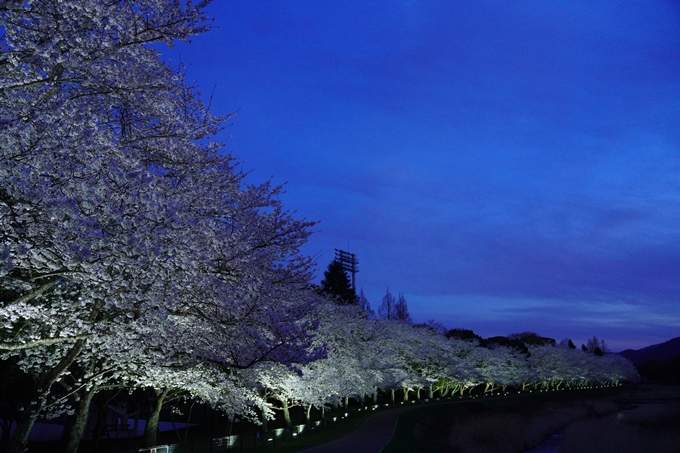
<point>510,368</point>
<point>341,374</point>
<point>106,165</point>
<point>435,362</point>
<point>618,369</point>
<point>475,357</point>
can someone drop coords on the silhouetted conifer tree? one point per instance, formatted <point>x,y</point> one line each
<point>336,285</point>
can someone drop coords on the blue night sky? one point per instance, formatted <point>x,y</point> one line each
<point>507,165</point>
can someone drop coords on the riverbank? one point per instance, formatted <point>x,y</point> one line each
<point>650,424</point>
<point>517,424</point>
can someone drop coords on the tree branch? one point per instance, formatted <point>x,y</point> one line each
<point>36,343</point>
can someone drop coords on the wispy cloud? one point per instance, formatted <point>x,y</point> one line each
<point>522,155</point>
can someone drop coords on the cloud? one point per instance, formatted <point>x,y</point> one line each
<point>578,319</point>
<point>508,150</point>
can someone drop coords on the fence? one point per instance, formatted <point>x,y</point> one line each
<point>156,449</point>
<point>239,442</point>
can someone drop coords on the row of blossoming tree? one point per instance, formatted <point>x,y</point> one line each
<point>365,356</point>
<point>135,255</point>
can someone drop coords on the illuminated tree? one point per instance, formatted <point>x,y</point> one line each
<point>121,224</point>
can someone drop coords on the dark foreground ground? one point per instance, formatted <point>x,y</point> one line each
<point>651,423</point>
<point>641,418</point>
<point>644,418</point>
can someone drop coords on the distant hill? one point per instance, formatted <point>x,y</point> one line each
<point>656,352</point>
<point>658,362</point>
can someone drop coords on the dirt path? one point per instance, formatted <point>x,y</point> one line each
<point>371,437</point>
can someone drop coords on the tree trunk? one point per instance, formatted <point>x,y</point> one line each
<point>99,427</point>
<point>405,394</point>
<point>308,414</point>
<point>286,413</point>
<point>28,417</point>
<point>174,426</point>
<point>106,397</point>
<point>392,390</point>
<point>346,402</point>
<point>151,428</point>
<point>67,427</point>
<point>76,432</point>
<point>24,426</point>
<point>186,428</point>
<point>264,421</point>
<point>455,388</point>
<point>418,393</point>
<point>6,426</point>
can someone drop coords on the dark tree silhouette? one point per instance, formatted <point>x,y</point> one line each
<point>595,346</point>
<point>436,326</point>
<point>365,304</point>
<point>387,309</point>
<point>336,285</point>
<point>532,339</point>
<point>392,308</point>
<point>463,334</point>
<point>492,342</point>
<point>401,309</point>
<point>567,343</point>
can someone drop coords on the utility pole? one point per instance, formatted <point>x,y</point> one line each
<point>350,264</point>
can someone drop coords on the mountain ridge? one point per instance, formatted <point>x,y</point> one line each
<point>660,352</point>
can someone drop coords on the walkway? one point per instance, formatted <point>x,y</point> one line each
<point>371,437</point>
